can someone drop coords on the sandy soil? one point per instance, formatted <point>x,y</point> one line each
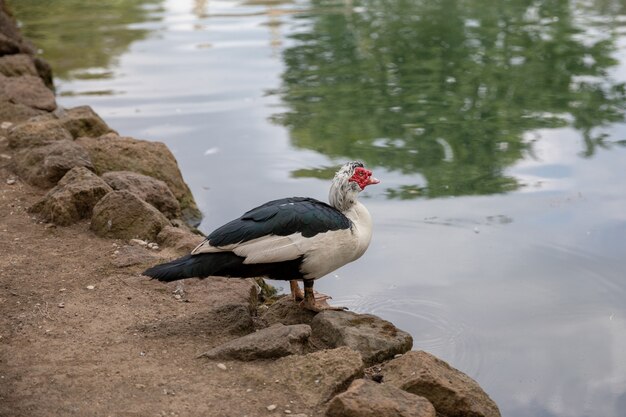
<point>126,346</point>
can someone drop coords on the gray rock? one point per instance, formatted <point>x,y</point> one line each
<point>376,339</point>
<point>368,399</point>
<point>44,166</point>
<point>38,132</point>
<point>319,376</point>
<point>114,153</point>
<point>180,239</point>
<point>82,121</point>
<point>453,393</point>
<point>269,343</point>
<point>29,90</point>
<point>16,65</point>
<point>73,198</point>
<point>149,189</point>
<point>123,215</point>
<point>287,311</point>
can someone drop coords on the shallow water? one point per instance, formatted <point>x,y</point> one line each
<point>496,127</point>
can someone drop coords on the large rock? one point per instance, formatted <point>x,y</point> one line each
<point>29,90</point>
<point>15,112</point>
<point>269,343</point>
<point>73,198</point>
<point>318,376</point>
<point>286,311</point>
<point>453,393</point>
<point>151,190</point>
<point>115,153</point>
<point>38,131</point>
<point>44,166</point>
<point>16,65</point>
<point>8,46</point>
<point>83,121</point>
<point>123,215</point>
<point>180,239</point>
<point>376,339</point>
<point>368,399</point>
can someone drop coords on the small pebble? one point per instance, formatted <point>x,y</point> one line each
<point>177,296</point>
<point>91,287</point>
<point>61,305</point>
<point>140,386</point>
<point>397,355</point>
<point>62,290</point>
<point>287,411</point>
<point>151,245</point>
<point>138,242</point>
<point>11,181</point>
<point>271,407</point>
<point>6,125</point>
<point>5,156</point>
<point>249,390</point>
<point>222,366</point>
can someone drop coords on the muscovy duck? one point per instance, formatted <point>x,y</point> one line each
<point>289,239</point>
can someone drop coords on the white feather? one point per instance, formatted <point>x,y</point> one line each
<point>323,253</point>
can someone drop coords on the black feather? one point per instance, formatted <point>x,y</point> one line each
<point>281,217</point>
<point>224,264</point>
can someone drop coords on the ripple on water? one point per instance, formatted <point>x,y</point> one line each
<point>433,326</point>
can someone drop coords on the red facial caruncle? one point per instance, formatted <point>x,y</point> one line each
<point>363,177</point>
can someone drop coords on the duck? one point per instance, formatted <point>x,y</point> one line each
<point>291,239</point>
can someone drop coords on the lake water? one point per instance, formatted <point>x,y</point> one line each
<point>496,127</point>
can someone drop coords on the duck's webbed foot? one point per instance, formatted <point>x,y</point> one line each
<point>298,295</point>
<point>313,303</point>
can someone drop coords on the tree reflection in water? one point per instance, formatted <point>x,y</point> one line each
<point>448,89</point>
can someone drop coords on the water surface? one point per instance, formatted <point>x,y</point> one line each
<point>497,128</point>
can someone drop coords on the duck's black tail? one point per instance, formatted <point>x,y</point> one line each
<point>200,266</point>
<point>224,264</point>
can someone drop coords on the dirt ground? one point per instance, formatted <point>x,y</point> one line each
<point>82,335</point>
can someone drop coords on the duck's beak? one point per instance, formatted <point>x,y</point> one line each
<point>372,180</point>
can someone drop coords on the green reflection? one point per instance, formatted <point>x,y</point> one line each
<point>448,88</point>
<point>77,35</point>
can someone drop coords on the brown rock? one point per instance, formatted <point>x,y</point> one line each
<point>182,240</point>
<point>269,343</point>
<point>8,46</point>
<point>16,65</point>
<point>286,311</point>
<point>73,198</point>
<point>123,215</point>
<point>38,132</point>
<point>15,112</point>
<point>9,29</point>
<point>453,393</point>
<point>376,339</point>
<point>44,166</point>
<point>45,72</point>
<point>114,153</point>
<point>149,189</point>
<point>319,376</point>
<point>369,399</point>
<point>29,90</point>
<point>83,121</point>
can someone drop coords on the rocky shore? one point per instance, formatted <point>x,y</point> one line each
<point>83,211</point>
